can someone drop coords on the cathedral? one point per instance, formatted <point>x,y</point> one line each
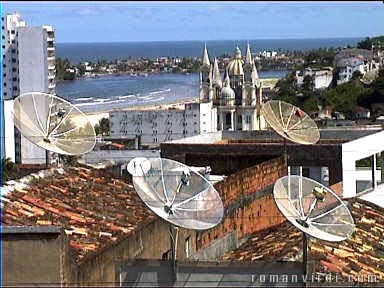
<point>237,95</point>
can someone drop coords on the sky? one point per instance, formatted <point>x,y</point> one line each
<point>192,20</point>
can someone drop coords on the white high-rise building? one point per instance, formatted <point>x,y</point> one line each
<point>28,66</point>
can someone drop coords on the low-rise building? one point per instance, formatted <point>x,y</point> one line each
<point>158,125</point>
<point>321,78</point>
<point>349,61</point>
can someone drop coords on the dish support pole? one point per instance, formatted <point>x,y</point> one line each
<point>174,235</point>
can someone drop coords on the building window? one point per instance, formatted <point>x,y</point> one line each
<point>248,119</point>
<point>14,88</point>
<point>14,79</point>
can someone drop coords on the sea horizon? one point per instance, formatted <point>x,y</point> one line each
<point>94,51</point>
<point>217,40</point>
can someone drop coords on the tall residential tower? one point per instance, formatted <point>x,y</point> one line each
<point>29,66</point>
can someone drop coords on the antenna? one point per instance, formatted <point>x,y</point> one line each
<point>53,124</point>
<point>314,209</point>
<point>176,193</point>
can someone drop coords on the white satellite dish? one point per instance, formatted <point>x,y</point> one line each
<point>53,124</point>
<point>314,209</point>
<point>176,193</point>
<point>290,122</point>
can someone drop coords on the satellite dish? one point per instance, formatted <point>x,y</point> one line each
<point>53,124</point>
<point>290,122</point>
<point>176,193</point>
<point>313,208</point>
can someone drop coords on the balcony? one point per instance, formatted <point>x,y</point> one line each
<point>51,58</point>
<point>51,67</point>
<point>51,48</point>
<point>51,76</point>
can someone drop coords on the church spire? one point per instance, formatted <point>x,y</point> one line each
<point>255,75</point>
<point>227,81</point>
<point>205,56</point>
<point>248,57</point>
<point>216,77</point>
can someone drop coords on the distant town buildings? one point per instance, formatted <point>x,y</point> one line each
<point>349,61</point>
<point>29,65</point>
<point>321,78</point>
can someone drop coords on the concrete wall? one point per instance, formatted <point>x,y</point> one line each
<point>151,242</point>
<point>356,150</point>
<point>35,255</point>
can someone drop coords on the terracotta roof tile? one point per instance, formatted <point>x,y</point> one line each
<point>280,242</point>
<point>94,208</point>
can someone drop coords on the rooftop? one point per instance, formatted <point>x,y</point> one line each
<point>361,254</point>
<point>95,209</point>
<point>327,135</point>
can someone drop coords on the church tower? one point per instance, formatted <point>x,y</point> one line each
<point>205,78</point>
<point>217,83</point>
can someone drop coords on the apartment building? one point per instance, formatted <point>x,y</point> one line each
<point>158,125</point>
<point>28,65</point>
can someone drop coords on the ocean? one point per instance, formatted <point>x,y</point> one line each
<point>112,92</point>
<point>77,52</point>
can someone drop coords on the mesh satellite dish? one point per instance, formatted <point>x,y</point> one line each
<point>314,209</point>
<point>290,122</point>
<point>53,124</point>
<point>176,193</point>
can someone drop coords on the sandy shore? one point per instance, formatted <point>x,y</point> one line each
<point>94,117</point>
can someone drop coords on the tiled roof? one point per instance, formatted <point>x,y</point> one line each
<point>281,242</point>
<point>95,209</point>
<point>362,253</point>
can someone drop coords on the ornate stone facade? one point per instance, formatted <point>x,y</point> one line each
<point>237,97</point>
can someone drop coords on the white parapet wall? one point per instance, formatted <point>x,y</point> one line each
<point>355,150</point>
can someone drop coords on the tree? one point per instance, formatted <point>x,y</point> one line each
<point>356,75</point>
<point>102,127</point>
<point>9,169</point>
<point>375,93</point>
<point>344,97</point>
